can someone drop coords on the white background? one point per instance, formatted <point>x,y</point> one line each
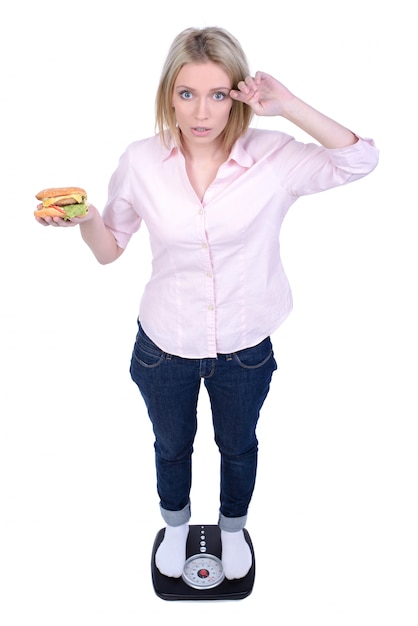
<point>334,516</point>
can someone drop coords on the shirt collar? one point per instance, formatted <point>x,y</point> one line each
<point>240,155</point>
<point>169,147</point>
<point>238,152</point>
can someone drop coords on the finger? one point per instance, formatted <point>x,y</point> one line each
<point>236,95</point>
<point>41,221</point>
<point>67,223</point>
<point>55,221</point>
<point>250,82</point>
<point>259,77</point>
<point>242,87</point>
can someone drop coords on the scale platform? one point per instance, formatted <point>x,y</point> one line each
<point>203,577</point>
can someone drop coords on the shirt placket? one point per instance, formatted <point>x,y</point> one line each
<point>208,277</point>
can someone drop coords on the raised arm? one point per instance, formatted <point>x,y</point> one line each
<point>268,97</point>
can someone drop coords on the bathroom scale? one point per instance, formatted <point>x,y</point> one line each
<point>203,577</point>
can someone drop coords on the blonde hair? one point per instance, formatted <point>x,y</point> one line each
<point>199,45</point>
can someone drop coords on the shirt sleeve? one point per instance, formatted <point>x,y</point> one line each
<point>311,168</point>
<point>119,214</point>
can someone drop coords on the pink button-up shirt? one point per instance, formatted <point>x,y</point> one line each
<point>217,282</point>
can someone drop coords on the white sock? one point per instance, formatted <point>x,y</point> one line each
<point>236,554</point>
<point>171,553</point>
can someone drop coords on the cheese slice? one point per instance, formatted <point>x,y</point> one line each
<point>78,198</point>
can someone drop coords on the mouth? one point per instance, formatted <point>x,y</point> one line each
<point>200,130</point>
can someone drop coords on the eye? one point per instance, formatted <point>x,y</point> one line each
<point>219,95</point>
<point>186,95</point>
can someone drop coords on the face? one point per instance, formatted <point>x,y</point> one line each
<point>202,103</point>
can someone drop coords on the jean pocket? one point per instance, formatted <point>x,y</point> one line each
<point>254,357</point>
<point>145,351</point>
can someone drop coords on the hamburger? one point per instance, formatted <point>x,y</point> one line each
<point>65,202</point>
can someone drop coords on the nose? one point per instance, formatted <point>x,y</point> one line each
<point>201,112</point>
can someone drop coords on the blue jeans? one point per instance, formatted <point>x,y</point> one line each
<point>237,385</point>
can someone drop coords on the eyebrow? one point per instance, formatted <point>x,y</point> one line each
<point>191,88</point>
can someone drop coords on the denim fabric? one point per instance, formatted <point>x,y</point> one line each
<point>237,385</point>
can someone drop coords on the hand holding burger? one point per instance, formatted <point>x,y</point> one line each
<point>63,202</point>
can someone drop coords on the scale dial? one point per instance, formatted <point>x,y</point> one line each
<point>203,571</point>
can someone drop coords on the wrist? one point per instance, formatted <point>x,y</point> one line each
<point>294,109</point>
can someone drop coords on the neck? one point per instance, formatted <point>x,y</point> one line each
<point>203,153</point>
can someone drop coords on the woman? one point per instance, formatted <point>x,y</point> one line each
<point>213,193</point>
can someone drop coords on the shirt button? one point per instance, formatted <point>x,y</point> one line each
<point>209,274</point>
<point>204,245</point>
<point>211,307</point>
<point>201,212</point>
